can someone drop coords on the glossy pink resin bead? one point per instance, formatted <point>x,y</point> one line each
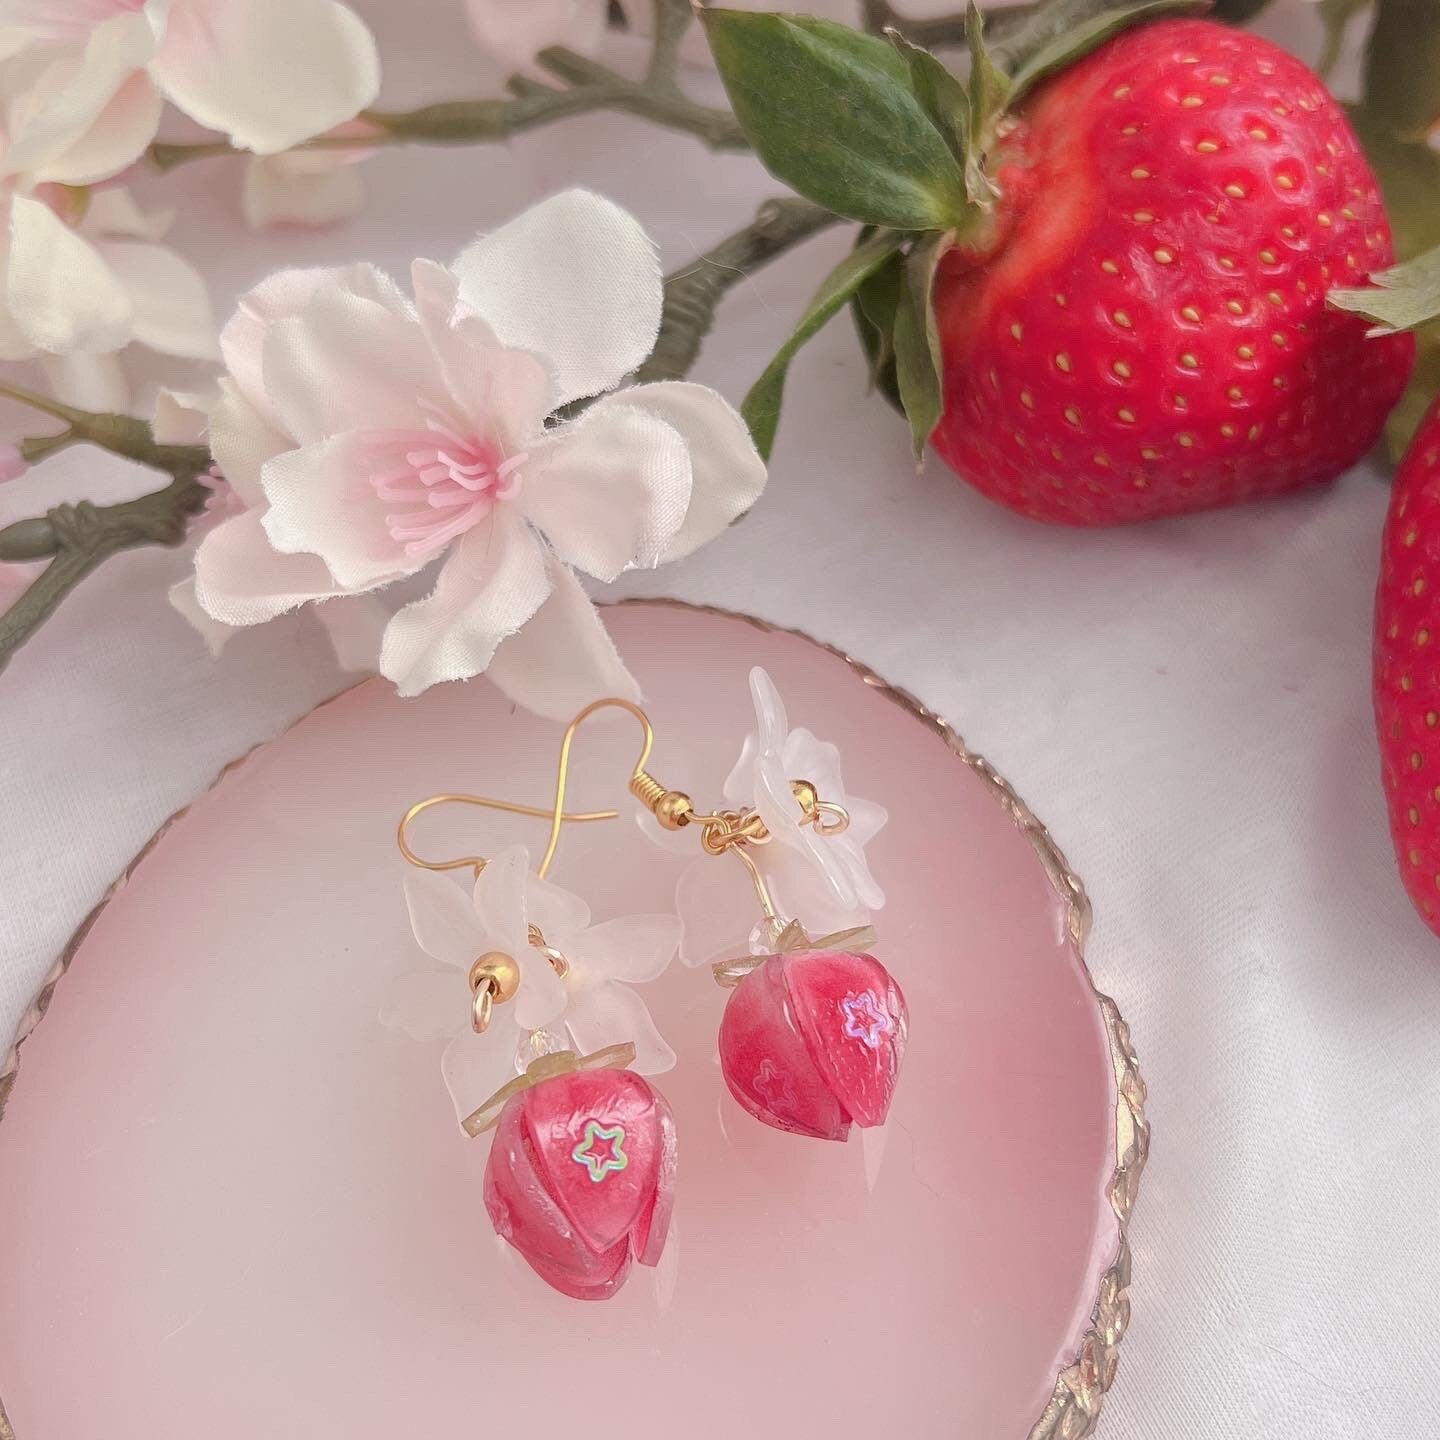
<point>581,1178</point>
<point>812,1042</point>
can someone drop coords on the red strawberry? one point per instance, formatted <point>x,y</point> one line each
<point>1407,667</point>
<point>1144,331</point>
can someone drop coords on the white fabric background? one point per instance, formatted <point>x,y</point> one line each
<point>1186,705</point>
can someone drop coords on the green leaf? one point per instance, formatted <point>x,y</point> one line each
<point>1062,32</point>
<point>989,86</point>
<point>1335,16</point>
<point>875,304</point>
<point>1415,404</point>
<point>1402,68</point>
<point>1397,299</point>
<point>762,405</point>
<point>831,113</point>
<point>918,369</point>
<point>941,95</point>
<point>1409,175</point>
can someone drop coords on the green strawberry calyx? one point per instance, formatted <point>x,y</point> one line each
<point>881,131</point>
<point>1404,297</point>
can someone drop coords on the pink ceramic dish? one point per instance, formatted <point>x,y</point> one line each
<point>232,1204</point>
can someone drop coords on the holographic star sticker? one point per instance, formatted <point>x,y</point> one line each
<point>599,1162</point>
<point>865,1019</point>
<point>774,1088</point>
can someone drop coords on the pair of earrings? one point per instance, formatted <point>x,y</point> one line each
<point>581,1173</point>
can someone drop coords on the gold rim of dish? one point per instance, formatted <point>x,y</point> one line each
<point>1074,1406</point>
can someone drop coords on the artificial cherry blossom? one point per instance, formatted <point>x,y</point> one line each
<point>267,73</point>
<point>371,435</point>
<point>592,1007</point>
<point>113,266</point>
<point>309,186</point>
<point>516,31</point>
<point>81,272</point>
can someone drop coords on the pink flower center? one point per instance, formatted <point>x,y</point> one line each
<point>441,482</point>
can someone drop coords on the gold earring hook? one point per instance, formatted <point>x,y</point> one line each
<point>478,862</point>
<point>671,808</point>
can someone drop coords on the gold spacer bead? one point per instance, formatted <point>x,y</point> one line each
<point>673,810</point>
<point>500,971</point>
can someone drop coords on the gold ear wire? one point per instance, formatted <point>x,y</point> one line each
<point>672,808</point>
<point>478,862</point>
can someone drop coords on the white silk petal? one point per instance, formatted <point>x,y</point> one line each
<point>241,579</point>
<point>609,490</point>
<point>727,473</point>
<point>505,394</point>
<point>427,1004</point>
<point>278,297</point>
<point>633,948</point>
<point>573,279</point>
<point>320,503</point>
<point>181,417</point>
<point>609,1014</point>
<point>93,382</point>
<point>348,362</point>
<point>58,288</point>
<point>516,31</point>
<point>268,73</point>
<point>492,584</point>
<point>59,120</point>
<point>112,214</point>
<point>116,140</point>
<point>277,193</point>
<point>242,439</point>
<point>215,633</point>
<point>444,919</point>
<point>563,658</point>
<point>172,305</point>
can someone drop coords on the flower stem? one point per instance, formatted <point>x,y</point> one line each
<point>589,86</point>
<point>693,293</point>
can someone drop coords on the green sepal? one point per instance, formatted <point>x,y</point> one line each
<point>831,112</point>
<point>1409,175</point>
<point>1402,69</point>
<point>989,85</point>
<point>949,105</point>
<point>941,94</point>
<point>918,366</point>
<point>761,408</point>
<point>1065,31</point>
<point>1401,298</point>
<point>1335,18</point>
<point>875,304</point>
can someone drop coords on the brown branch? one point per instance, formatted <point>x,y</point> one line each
<point>80,538</point>
<point>693,293</point>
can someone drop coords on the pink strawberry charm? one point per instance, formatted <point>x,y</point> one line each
<point>811,1042</point>
<point>581,1178</point>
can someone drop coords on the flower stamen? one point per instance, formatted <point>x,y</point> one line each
<point>443,483</point>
